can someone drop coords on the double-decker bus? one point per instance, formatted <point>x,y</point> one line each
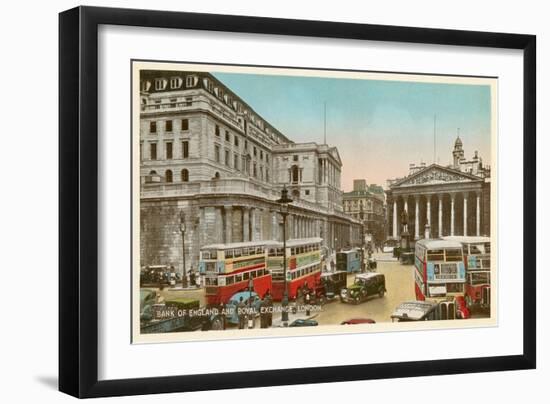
<point>440,275</point>
<point>349,261</point>
<point>477,258</point>
<point>303,258</point>
<point>227,269</point>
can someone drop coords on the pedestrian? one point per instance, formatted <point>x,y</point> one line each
<point>223,315</point>
<point>308,307</point>
<point>269,306</point>
<point>241,312</point>
<point>192,278</point>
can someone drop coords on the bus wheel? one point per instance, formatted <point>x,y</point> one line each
<point>321,300</point>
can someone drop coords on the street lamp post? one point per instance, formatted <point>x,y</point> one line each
<point>284,201</point>
<point>182,230</point>
<point>362,216</point>
<point>250,313</point>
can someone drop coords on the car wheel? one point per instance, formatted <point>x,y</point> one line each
<point>381,293</point>
<point>357,300</point>
<point>322,300</point>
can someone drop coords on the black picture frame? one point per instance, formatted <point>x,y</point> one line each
<point>78,200</point>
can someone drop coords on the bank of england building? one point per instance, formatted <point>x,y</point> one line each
<point>206,156</point>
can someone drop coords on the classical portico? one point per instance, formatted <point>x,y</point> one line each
<point>452,202</point>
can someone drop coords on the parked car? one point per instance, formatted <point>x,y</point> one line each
<point>416,311</point>
<point>364,286</point>
<point>147,298</point>
<point>352,321</point>
<point>333,282</point>
<point>250,299</point>
<point>304,322</point>
<point>389,245</point>
<point>159,275</point>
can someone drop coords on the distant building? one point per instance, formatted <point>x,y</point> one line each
<point>452,200</point>
<point>367,201</point>
<point>206,153</point>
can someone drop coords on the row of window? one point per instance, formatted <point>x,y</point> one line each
<point>255,151</point>
<point>168,125</point>
<point>168,150</point>
<point>169,175</point>
<point>174,82</point>
<point>241,164</point>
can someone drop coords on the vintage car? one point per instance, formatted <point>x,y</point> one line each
<point>364,286</point>
<point>154,275</point>
<point>147,298</point>
<point>389,245</point>
<point>166,317</point>
<point>304,322</point>
<point>252,303</point>
<point>333,282</point>
<point>352,321</point>
<point>416,311</point>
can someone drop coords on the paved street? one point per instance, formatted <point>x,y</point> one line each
<point>399,285</point>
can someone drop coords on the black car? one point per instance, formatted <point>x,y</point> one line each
<point>365,286</point>
<point>304,322</point>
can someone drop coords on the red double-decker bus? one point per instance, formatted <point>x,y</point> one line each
<point>303,268</point>
<point>227,269</point>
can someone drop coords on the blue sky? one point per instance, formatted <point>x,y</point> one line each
<point>379,127</point>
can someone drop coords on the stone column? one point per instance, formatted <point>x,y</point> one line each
<point>394,232</point>
<point>228,224</point>
<point>274,226</point>
<point>246,223</point>
<point>417,217</point>
<point>465,214</point>
<point>478,213</point>
<point>452,214</point>
<point>218,226</point>
<point>429,211</point>
<point>440,217</point>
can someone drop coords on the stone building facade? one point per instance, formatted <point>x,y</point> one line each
<point>368,200</point>
<point>454,200</point>
<point>207,154</point>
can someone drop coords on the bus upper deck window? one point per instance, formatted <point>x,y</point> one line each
<point>238,253</point>
<point>229,254</point>
<point>436,255</point>
<point>453,254</point>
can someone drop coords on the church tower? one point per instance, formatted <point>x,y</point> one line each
<point>458,153</point>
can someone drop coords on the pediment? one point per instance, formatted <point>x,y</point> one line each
<point>436,174</point>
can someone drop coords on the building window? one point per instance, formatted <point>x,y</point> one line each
<point>255,151</point>
<point>153,151</point>
<point>217,153</point>
<point>184,175</point>
<point>236,161</point>
<point>190,81</point>
<point>294,174</point>
<point>236,140</point>
<point>267,158</point>
<point>217,130</point>
<point>246,144</point>
<point>184,149</point>
<point>169,149</point>
<point>168,126</point>
<point>295,158</point>
<point>152,127</point>
<point>307,191</point>
<point>188,101</point>
<point>261,154</point>
<point>175,82</point>
<point>262,173</point>
<point>227,158</point>
<point>168,176</point>
<point>255,172</point>
<point>185,124</point>
<point>267,174</point>
<point>160,84</point>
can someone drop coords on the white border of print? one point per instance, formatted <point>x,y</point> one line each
<point>118,358</point>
